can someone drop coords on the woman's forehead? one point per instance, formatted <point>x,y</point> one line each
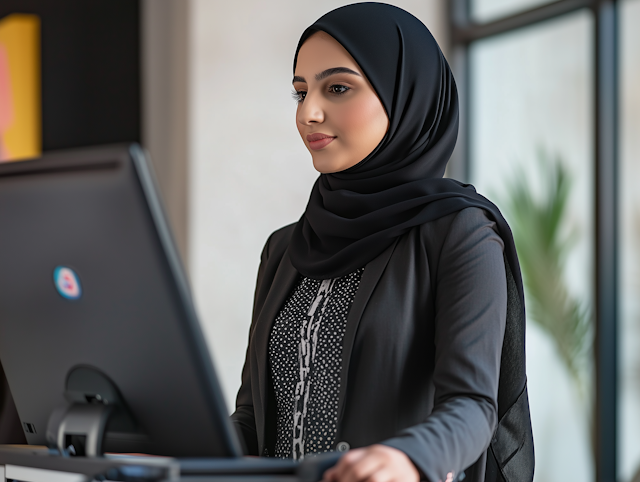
<point>320,52</point>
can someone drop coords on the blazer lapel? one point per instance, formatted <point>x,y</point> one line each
<point>283,282</point>
<point>370,277</point>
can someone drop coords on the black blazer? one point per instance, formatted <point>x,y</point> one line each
<point>421,352</point>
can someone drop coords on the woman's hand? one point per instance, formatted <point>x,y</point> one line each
<point>376,463</point>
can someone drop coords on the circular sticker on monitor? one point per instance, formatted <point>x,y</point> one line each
<point>67,283</point>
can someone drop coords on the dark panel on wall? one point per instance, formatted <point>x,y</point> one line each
<point>90,70</point>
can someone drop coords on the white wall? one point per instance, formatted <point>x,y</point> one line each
<point>249,171</point>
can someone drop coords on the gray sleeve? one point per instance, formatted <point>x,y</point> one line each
<point>471,304</point>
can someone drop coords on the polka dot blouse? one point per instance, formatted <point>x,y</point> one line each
<point>305,351</point>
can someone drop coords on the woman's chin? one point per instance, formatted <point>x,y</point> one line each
<point>326,164</point>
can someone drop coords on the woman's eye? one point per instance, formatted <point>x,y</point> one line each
<point>338,89</point>
<point>298,95</point>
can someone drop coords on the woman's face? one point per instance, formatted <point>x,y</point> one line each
<point>340,117</point>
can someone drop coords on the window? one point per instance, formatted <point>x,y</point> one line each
<point>531,108</point>
<point>539,136</point>
<point>486,10</point>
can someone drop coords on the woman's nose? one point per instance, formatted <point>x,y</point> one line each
<point>310,111</point>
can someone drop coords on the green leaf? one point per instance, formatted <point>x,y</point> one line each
<point>539,225</point>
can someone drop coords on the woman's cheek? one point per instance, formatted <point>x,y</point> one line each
<point>365,122</point>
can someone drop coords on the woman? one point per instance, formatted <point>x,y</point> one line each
<point>379,318</point>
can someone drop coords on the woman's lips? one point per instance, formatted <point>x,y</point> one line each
<point>318,140</point>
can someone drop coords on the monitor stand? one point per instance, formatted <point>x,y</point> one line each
<point>95,404</point>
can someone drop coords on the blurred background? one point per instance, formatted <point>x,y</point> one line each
<point>550,101</point>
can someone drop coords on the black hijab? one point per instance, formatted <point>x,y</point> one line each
<point>354,215</point>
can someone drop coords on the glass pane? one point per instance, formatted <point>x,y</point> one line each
<point>487,10</point>
<point>629,257</point>
<point>532,153</point>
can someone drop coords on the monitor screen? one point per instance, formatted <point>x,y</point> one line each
<point>95,309</point>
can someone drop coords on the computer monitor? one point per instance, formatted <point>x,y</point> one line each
<point>98,332</point>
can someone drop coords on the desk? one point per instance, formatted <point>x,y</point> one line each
<point>38,464</point>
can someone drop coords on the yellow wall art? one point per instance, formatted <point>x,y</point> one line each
<point>20,91</point>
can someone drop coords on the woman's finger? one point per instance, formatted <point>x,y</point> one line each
<point>348,459</point>
<point>329,475</point>
<point>384,475</point>
<point>333,474</point>
<point>362,468</point>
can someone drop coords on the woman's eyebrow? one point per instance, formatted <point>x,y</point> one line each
<point>326,73</point>
<point>336,70</point>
